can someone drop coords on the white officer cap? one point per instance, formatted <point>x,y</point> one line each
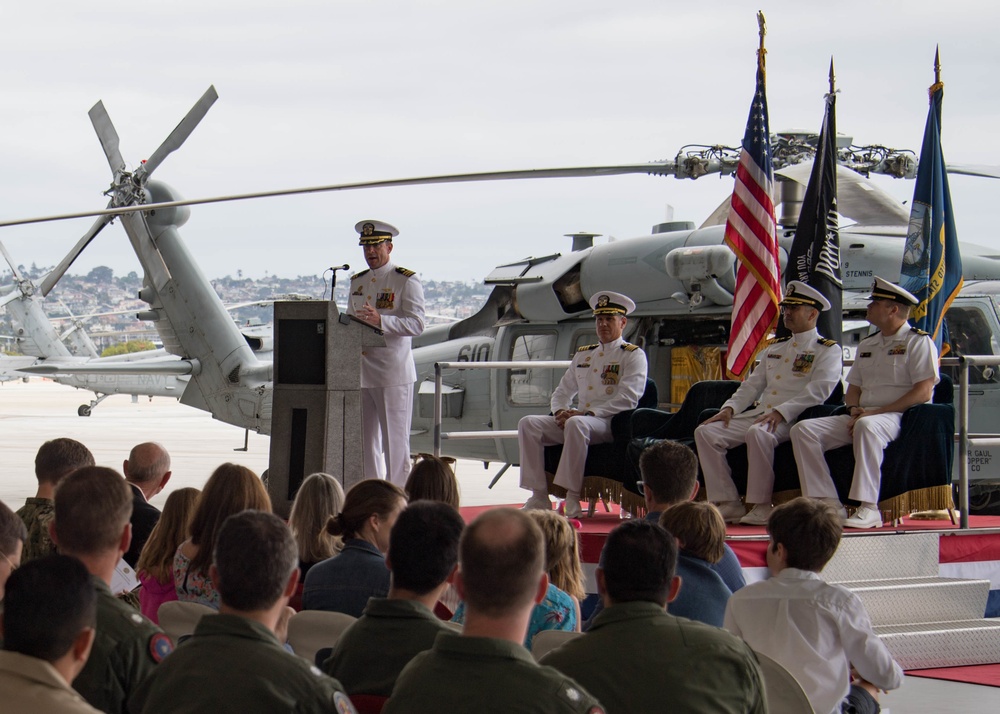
<point>609,303</point>
<point>373,232</point>
<point>799,293</point>
<point>882,289</point>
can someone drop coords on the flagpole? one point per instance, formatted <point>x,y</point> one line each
<point>833,78</point>
<point>938,84</point>
<point>761,31</point>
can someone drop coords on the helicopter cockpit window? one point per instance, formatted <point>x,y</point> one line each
<point>970,334</point>
<point>532,387</point>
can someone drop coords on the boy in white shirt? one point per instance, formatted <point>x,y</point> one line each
<point>816,630</point>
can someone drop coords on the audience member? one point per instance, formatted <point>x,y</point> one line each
<point>670,476</point>
<point>345,582</point>
<point>485,668</point>
<point>147,470</point>
<point>230,489</point>
<point>47,639</point>
<point>816,630</point>
<point>155,566</point>
<point>320,498</point>
<point>559,610</point>
<point>234,662</point>
<point>433,479</point>
<point>638,658</point>
<point>13,534</point>
<point>423,552</point>
<point>54,460</point>
<point>700,533</point>
<point>91,524</point>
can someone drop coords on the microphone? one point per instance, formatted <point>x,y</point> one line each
<point>345,266</point>
<point>333,273</point>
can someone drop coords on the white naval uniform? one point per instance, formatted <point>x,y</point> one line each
<point>794,373</point>
<point>606,379</point>
<point>388,373</point>
<point>885,368</point>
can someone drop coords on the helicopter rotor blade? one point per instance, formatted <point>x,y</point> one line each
<point>108,137</point>
<point>57,272</point>
<point>10,297</point>
<point>182,131</point>
<point>659,168</point>
<point>10,262</point>
<point>857,197</point>
<point>974,170</point>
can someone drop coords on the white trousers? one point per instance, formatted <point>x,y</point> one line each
<point>386,413</point>
<point>534,433</point>
<point>715,439</point>
<point>812,437</point>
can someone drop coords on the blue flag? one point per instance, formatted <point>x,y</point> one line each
<point>932,265</point>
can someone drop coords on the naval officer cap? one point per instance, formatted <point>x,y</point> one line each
<point>373,232</point>
<point>608,303</point>
<point>799,293</point>
<point>882,289</point>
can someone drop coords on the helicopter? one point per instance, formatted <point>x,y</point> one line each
<point>38,338</point>
<point>681,278</point>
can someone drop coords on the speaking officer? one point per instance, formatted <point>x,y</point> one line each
<point>606,378</point>
<point>794,373</point>
<point>391,299</point>
<point>896,368</point>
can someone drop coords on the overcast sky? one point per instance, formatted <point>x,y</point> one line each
<point>328,91</point>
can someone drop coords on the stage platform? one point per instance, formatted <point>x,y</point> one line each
<point>972,553</point>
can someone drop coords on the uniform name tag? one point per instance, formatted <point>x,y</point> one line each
<point>774,356</point>
<point>385,300</point>
<point>803,363</point>
<point>864,354</point>
<point>611,374</point>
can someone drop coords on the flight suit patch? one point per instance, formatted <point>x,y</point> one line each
<point>385,300</point>
<point>611,374</point>
<point>343,704</point>
<point>803,364</point>
<point>897,350</point>
<point>160,646</point>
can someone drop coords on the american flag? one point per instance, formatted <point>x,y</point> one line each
<point>750,233</point>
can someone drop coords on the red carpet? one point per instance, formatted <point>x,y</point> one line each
<point>986,674</point>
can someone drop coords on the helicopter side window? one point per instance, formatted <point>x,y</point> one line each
<point>528,387</point>
<point>971,335</point>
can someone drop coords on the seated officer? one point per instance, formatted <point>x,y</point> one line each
<point>638,658</point>
<point>605,378</point>
<point>234,662</point>
<point>423,552</point>
<point>794,373</point>
<point>895,369</point>
<point>486,668</point>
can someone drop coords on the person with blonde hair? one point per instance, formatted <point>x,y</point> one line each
<point>560,609</point>
<point>230,489</point>
<point>320,498</point>
<point>156,560</point>
<point>345,582</point>
<point>432,479</point>
<point>700,532</point>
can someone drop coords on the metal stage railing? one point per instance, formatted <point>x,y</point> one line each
<point>963,438</point>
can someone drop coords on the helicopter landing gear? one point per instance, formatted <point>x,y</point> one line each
<point>85,410</point>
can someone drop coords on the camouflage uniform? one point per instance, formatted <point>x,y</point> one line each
<point>37,514</point>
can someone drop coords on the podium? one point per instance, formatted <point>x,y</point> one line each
<point>316,402</point>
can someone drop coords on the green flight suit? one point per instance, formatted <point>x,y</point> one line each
<point>372,652</point>
<point>638,658</point>
<point>470,674</point>
<point>37,514</point>
<point>127,647</point>
<point>232,664</point>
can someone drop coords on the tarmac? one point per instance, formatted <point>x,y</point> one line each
<point>34,412</point>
